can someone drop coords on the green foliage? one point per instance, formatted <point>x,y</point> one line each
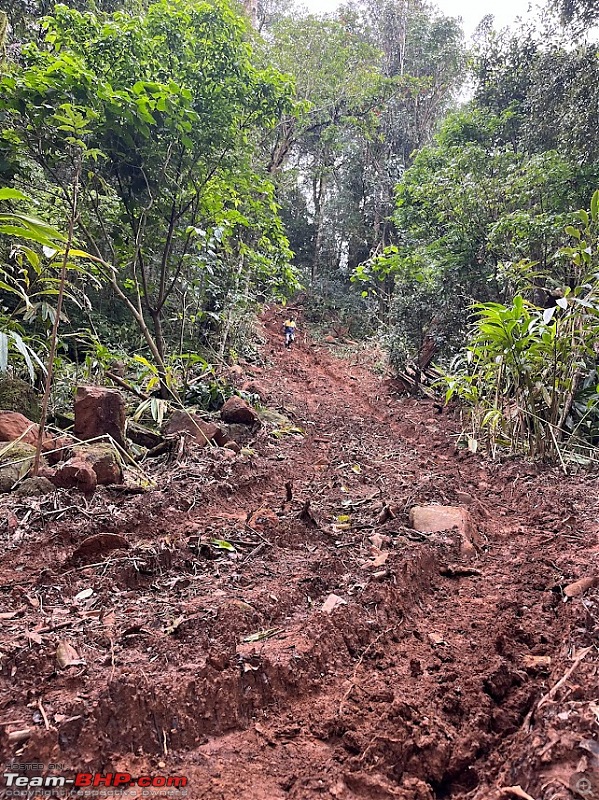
<point>166,107</point>
<point>373,82</point>
<point>29,283</point>
<point>468,211</point>
<point>579,13</point>
<point>549,87</point>
<point>529,373</point>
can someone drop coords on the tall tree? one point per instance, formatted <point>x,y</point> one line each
<point>374,81</point>
<point>167,107</point>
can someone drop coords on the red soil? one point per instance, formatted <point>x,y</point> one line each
<point>438,677</point>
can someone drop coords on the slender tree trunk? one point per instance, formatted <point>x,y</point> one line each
<point>231,312</point>
<point>318,188</point>
<point>56,324</point>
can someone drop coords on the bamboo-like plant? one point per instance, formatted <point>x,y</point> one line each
<point>530,373</point>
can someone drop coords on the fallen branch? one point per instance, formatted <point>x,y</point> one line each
<point>552,692</point>
<point>517,791</point>
<point>127,386</point>
<point>17,737</point>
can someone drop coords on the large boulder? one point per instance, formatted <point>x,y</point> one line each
<point>17,395</point>
<point>237,411</point>
<point>203,432</point>
<point>35,487</point>
<point>14,425</point>
<point>103,459</point>
<point>99,411</point>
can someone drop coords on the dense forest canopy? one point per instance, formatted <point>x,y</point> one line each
<point>179,166</point>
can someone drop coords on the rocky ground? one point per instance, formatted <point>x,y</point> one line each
<point>268,624</point>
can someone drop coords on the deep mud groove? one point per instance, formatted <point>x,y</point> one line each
<point>419,686</point>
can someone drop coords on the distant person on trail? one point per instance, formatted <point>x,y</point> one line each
<point>289,331</point>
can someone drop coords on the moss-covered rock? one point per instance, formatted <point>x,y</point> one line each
<point>17,395</point>
<point>16,459</point>
<point>35,487</point>
<point>103,459</point>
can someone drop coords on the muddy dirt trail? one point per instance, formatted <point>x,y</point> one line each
<point>337,653</point>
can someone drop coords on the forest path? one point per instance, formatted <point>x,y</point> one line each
<point>422,683</point>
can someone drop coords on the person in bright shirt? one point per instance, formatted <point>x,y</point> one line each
<point>289,331</point>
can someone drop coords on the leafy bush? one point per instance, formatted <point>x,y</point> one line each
<point>529,373</point>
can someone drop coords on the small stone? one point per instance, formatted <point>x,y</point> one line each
<point>436,518</point>
<point>236,410</point>
<point>332,602</point>
<point>537,663</point>
<point>99,544</point>
<point>254,387</point>
<point>581,586</point>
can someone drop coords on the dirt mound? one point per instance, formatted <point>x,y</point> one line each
<point>205,645</point>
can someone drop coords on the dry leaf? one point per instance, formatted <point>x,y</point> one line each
<point>517,791</point>
<point>436,640</point>
<point>83,595</point>
<point>67,656</point>
<point>172,627</point>
<point>536,662</point>
<point>257,637</point>
<point>109,619</point>
<point>307,517</point>
<point>344,526</point>
<point>379,560</point>
<point>8,614</point>
<point>385,515</point>
<point>33,636</point>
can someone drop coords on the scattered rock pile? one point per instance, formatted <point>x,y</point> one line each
<point>101,426</point>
